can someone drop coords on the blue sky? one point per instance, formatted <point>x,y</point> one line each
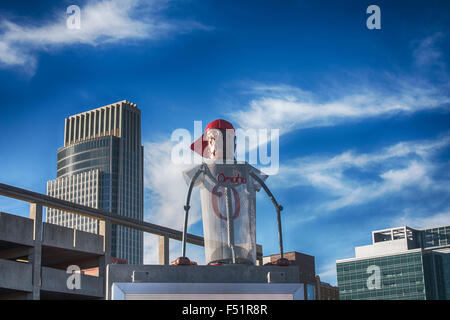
<point>363,114</point>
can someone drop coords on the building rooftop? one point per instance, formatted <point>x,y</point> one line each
<point>398,240</point>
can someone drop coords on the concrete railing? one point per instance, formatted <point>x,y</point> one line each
<point>22,233</point>
<point>55,280</point>
<point>72,239</point>
<point>111,217</point>
<point>19,275</point>
<point>37,233</point>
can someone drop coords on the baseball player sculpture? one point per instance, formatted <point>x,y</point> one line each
<point>228,200</point>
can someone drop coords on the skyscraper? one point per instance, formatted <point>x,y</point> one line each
<point>401,263</point>
<point>101,166</point>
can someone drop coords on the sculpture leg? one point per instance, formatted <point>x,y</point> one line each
<point>230,224</point>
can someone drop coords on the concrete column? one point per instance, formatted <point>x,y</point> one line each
<point>95,124</point>
<point>88,125</point>
<point>36,251</point>
<point>71,129</point>
<point>104,122</point>
<point>163,250</point>
<point>106,127</point>
<point>105,231</point>
<point>120,119</point>
<point>85,131</point>
<point>113,120</point>
<point>110,117</point>
<point>75,129</point>
<point>78,128</point>
<point>79,120</point>
<point>67,132</point>
<point>92,124</point>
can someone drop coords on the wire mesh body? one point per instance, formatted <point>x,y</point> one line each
<point>228,198</point>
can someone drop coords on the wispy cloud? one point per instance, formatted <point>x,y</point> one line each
<point>102,22</point>
<point>387,172</point>
<point>289,108</point>
<point>427,51</point>
<point>394,180</point>
<point>166,187</point>
<point>328,273</point>
<point>422,220</point>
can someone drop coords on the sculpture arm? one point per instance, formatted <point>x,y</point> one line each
<point>187,207</point>
<point>278,209</point>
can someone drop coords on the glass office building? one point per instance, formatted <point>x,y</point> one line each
<point>101,165</point>
<point>402,263</point>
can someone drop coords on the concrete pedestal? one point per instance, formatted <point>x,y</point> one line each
<point>203,282</point>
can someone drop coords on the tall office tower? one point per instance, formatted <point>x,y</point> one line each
<point>101,166</point>
<point>401,263</point>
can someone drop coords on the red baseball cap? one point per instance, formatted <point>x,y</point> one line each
<point>202,143</point>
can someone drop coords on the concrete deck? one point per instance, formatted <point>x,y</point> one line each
<point>58,248</point>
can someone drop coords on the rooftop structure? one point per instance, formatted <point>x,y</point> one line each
<point>401,263</point>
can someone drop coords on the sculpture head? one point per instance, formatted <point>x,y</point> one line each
<point>217,142</point>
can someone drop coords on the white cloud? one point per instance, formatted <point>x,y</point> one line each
<point>164,181</point>
<point>414,174</point>
<point>427,52</point>
<point>390,170</point>
<point>289,108</point>
<point>328,273</point>
<point>412,219</point>
<point>286,108</point>
<point>102,22</point>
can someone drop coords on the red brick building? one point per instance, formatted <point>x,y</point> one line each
<point>314,288</point>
